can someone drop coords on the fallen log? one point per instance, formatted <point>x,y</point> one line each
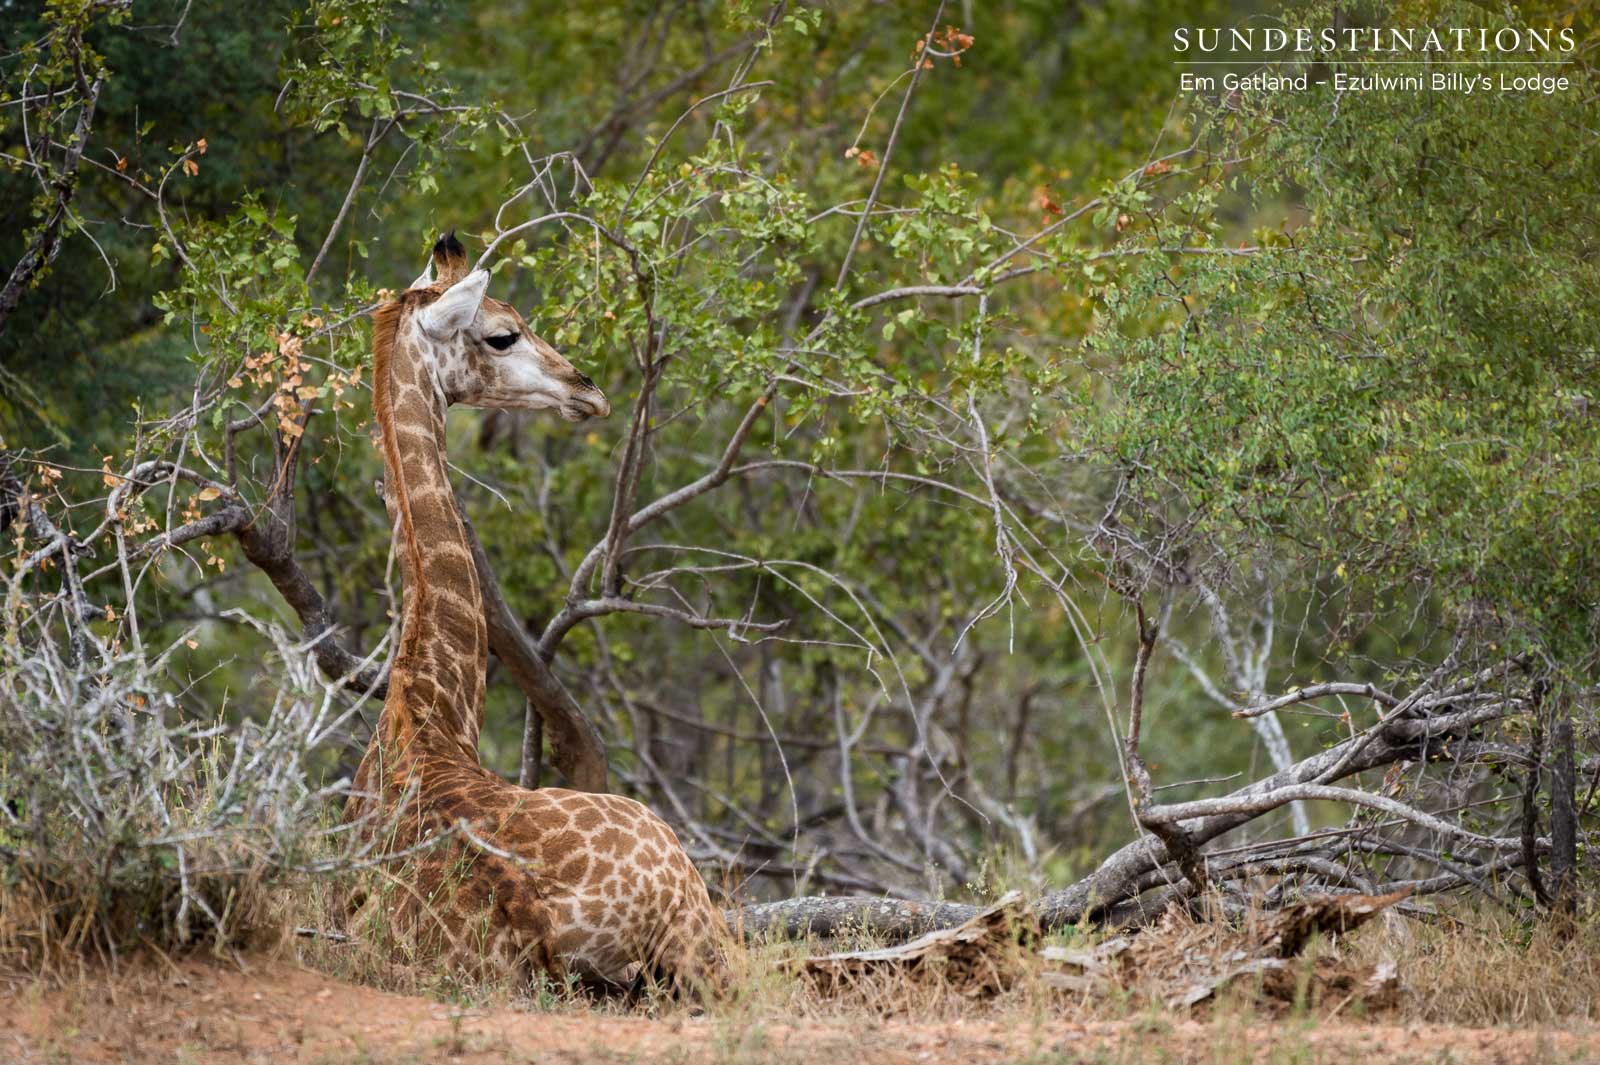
<point>838,916</point>
<point>896,920</point>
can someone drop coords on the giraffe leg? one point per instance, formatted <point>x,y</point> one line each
<point>528,928</point>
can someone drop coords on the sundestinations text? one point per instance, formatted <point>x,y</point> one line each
<point>1505,40</point>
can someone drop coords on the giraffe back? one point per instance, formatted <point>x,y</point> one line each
<point>561,881</point>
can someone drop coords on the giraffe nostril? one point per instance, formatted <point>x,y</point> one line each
<point>583,379</point>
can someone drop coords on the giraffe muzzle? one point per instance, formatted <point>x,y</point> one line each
<point>592,404</point>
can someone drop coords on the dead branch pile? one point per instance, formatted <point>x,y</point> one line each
<point>977,959</point>
<point>1182,963</point>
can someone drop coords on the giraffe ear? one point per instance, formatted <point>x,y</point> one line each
<point>454,311</point>
<point>425,278</point>
<point>450,258</point>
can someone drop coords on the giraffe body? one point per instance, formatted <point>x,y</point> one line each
<point>546,879</point>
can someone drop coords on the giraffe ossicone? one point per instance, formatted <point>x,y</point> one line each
<point>547,879</point>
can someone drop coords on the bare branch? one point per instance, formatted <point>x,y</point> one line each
<point>1318,691</point>
<point>47,240</point>
<point>576,748</point>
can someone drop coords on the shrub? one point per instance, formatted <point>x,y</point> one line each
<point>124,820</point>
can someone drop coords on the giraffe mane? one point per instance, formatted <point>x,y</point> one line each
<point>385,335</point>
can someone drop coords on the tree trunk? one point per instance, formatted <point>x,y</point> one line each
<point>1563,817</point>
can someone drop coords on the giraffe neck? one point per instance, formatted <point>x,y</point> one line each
<point>435,700</point>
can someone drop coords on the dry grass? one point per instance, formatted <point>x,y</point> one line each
<point>1485,967</point>
<point>1482,969</point>
<point>317,925</point>
<point>319,999</point>
<point>258,1009</point>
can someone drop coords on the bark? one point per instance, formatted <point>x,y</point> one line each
<point>1530,806</point>
<point>831,916</point>
<point>1563,817</point>
<point>897,920</point>
<point>267,540</point>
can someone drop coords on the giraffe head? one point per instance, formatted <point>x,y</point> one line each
<point>480,350</point>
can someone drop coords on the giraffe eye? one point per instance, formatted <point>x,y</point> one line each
<point>502,343</point>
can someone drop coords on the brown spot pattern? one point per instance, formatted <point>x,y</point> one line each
<point>596,884</point>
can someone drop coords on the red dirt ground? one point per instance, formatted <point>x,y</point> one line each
<point>264,1010</point>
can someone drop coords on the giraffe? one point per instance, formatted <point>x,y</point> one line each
<point>555,880</point>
